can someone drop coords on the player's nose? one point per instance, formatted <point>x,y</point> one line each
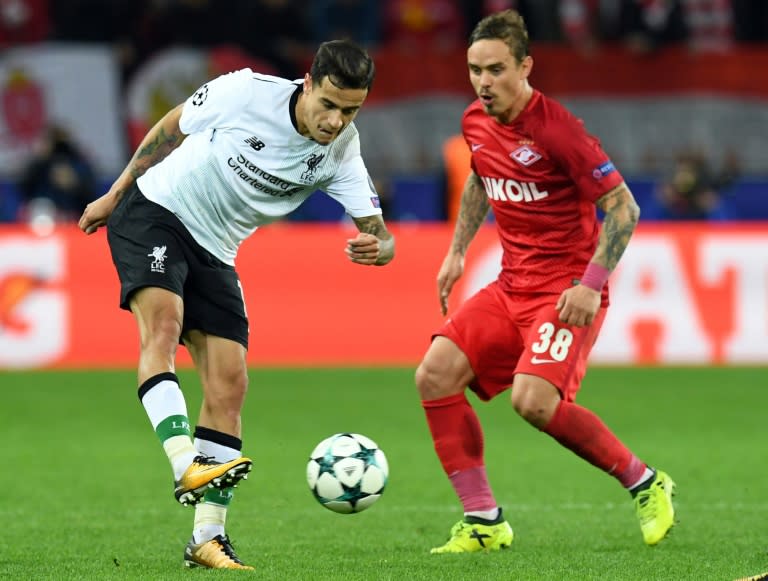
<point>335,121</point>
<point>486,79</point>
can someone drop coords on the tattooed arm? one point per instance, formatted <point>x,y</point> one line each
<point>374,246</point>
<point>161,140</point>
<point>472,213</point>
<point>578,305</point>
<point>621,216</point>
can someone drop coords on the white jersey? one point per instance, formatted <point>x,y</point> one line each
<point>244,164</point>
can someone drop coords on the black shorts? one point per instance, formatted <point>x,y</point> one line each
<point>151,247</point>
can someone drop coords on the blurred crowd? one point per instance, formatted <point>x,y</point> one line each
<point>281,31</point>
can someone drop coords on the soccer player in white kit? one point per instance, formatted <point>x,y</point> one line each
<point>244,150</point>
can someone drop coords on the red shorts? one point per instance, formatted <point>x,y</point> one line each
<point>503,334</point>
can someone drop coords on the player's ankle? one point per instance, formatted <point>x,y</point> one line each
<point>484,517</point>
<point>644,484</point>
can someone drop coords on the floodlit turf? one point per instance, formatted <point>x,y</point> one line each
<point>88,491</point>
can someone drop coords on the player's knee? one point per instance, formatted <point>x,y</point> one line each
<point>163,336</point>
<point>533,404</point>
<point>530,411</point>
<point>225,393</point>
<point>236,382</point>
<point>422,380</point>
<point>430,381</point>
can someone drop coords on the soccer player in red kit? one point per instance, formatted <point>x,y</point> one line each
<point>532,328</point>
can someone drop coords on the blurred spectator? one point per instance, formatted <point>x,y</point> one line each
<point>647,25</point>
<point>358,20</point>
<point>23,22</point>
<point>270,31</point>
<point>198,23</point>
<point>59,180</point>
<point>456,159</point>
<point>578,20</point>
<point>541,17</point>
<point>119,23</point>
<point>275,31</point>
<point>709,23</point>
<point>693,191</point>
<point>417,25</point>
<point>94,20</point>
<point>192,23</point>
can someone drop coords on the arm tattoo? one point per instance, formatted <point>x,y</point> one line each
<point>472,213</point>
<point>153,150</point>
<point>161,140</point>
<point>621,216</point>
<point>373,225</point>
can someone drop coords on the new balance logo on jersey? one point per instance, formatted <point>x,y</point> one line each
<point>158,264</point>
<point>512,191</point>
<point>255,143</point>
<point>525,156</point>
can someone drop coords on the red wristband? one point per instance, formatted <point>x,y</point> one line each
<point>595,276</point>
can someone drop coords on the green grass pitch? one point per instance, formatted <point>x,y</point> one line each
<point>88,490</point>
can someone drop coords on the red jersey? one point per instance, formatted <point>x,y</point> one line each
<point>543,173</point>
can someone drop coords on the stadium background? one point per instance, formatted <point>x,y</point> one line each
<point>686,293</point>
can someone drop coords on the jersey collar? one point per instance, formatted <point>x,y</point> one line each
<point>292,106</point>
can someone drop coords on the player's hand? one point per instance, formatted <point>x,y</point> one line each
<point>95,215</point>
<point>363,249</point>
<point>578,306</point>
<point>450,271</point>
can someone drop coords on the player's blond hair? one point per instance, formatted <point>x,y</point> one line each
<point>507,26</point>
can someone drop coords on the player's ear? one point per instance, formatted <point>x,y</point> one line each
<point>307,83</point>
<point>527,65</point>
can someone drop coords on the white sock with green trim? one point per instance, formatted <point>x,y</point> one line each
<point>164,403</point>
<point>211,513</point>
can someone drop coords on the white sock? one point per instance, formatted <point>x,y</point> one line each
<point>646,475</point>
<point>209,521</point>
<point>163,400</point>
<point>210,517</point>
<point>180,452</point>
<point>218,452</point>
<point>165,407</point>
<point>492,514</point>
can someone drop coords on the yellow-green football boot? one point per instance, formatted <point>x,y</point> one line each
<point>654,508</point>
<point>472,535</point>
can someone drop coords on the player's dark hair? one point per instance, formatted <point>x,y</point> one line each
<point>507,26</point>
<point>346,64</point>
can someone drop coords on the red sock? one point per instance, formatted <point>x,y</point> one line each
<point>582,432</point>
<point>458,439</point>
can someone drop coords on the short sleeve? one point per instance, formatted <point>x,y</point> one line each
<point>217,103</point>
<point>352,187</point>
<point>582,157</point>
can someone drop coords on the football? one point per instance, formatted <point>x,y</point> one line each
<point>347,472</point>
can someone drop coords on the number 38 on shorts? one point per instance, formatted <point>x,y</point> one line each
<point>553,342</point>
